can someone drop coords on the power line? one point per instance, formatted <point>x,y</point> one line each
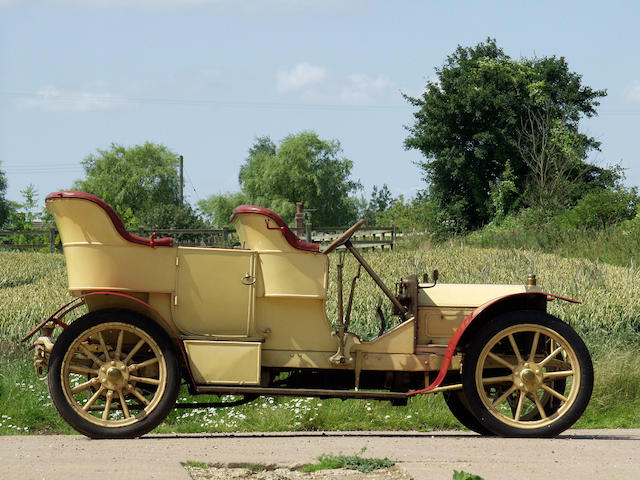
<point>61,98</point>
<point>192,185</point>
<point>27,170</point>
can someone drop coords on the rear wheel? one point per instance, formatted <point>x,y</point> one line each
<point>527,374</point>
<point>113,374</point>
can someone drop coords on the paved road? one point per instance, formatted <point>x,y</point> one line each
<point>580,454</point>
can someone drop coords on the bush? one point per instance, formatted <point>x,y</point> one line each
<point>599,209</point>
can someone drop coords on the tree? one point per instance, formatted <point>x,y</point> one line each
<point>4,204</point>
<point>379,202</point>
<point>217,209</point>
<point>141,183</point>
<point>470,120</point>
<point>303,168</point>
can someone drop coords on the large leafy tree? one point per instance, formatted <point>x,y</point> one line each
<point>474,122</point>
<point>4,204</point>
<point>303,168</point>
<point>141,183</point>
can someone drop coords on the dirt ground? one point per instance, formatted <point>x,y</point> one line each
<point>584,454</point>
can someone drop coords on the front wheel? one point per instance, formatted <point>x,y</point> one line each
<point>527,375</point>
<point>113,374</point>
<point>459,407</point>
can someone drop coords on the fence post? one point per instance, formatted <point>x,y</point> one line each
<point>52,240</point>
<point>308,230</point>
<point>393,237</point>
<point>225,235</point>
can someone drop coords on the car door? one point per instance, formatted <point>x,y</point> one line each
<point>215,291</point>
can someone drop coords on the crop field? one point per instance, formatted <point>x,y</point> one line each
<point>33,285</point>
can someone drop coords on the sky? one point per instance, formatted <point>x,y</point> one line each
<point>206,77</point>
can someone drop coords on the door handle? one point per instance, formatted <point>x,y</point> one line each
<point>248,279</point>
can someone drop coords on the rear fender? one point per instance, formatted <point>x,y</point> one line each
<point>481,316</point>
<point>150,312</point>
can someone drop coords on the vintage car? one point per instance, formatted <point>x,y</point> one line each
<point>251,321</point>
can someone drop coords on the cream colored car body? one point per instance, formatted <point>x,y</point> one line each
<point>238,311</point>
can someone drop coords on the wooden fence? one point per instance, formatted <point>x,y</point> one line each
<point>49,240</point>
<point>30,240</point>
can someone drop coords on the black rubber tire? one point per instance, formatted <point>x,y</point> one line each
<point>459,407</point>
<point>145,420</point>
<point>559,417</point>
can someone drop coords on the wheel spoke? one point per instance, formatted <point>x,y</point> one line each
<point>543,414</point>
<point>502,397</point>
<point>560,374</point>
<point>553,392</point>
<point>490,380</point>
<point>93,399</point>
<point>104,347</point>
<point>82,387</point>
<point>123,404</point>
<point>149,381</point>
<point>516,417</point>
<point>550,356</point>
<point>146,363</point>
<point>107,406</point>
<point>139,396</point>
<point>534,346</point>
<point>119,344</point>
<point>134,350</point>
<point>90,354</point>
<point>500,360</point>
<point>81,369</point>
<point>512,341</point>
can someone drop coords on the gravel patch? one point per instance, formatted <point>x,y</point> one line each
<point>217,472</point>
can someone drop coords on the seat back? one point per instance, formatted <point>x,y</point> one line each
<point>82,217</point>
<point>262,229</point>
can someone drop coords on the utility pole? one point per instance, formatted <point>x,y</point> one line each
<point>181,197</point>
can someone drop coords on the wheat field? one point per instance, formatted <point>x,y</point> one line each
<point>33,285</point>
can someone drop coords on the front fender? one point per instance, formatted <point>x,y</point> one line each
<point>483,314</point>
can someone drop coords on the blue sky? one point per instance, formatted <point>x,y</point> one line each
<point>206,77</point>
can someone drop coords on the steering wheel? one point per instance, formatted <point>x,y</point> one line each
<point>343,238</point>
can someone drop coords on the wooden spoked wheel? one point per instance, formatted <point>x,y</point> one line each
<point>113,374</point>
<point>527,374</point>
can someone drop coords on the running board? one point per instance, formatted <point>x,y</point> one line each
<point>301,392</point>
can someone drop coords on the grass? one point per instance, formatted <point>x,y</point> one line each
<point>460,475</point>
<point>33,285</point>
<point>616,244</point>
<point>349,462</point>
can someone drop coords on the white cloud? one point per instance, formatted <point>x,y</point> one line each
<point>314,84</point>
<point>632,91</point>
<point>362,89</point>
<point>301,76</point>
<point>51,98</point>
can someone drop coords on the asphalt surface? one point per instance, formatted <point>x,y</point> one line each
<point>580,454</point>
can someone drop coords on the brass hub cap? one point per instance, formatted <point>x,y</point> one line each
<point>113,375</point>
<point>528,377</point>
